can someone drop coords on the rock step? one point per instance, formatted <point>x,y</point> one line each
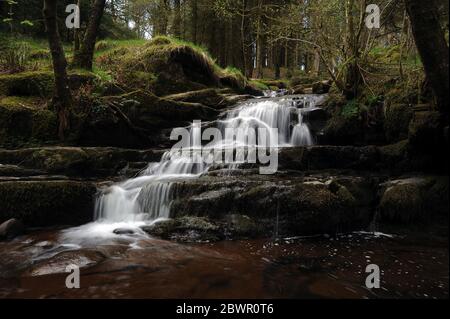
<point>47,203</point>
<point>107,162</point>
<point>296,205</point>
<point>78,161</point>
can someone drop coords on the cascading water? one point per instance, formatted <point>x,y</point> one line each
<point>148,196</point>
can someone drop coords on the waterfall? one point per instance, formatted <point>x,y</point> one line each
<point>149,196</point>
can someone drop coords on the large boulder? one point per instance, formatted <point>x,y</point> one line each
<point>167,66</point>
<point>414,199</point>
<point>296,206</point>
<point>47,203</point>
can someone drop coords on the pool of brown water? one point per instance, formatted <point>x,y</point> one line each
<point>34,266</point>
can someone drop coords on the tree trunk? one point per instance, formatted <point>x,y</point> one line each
<point>177,19</point>
<point>433,49</point>
<point>83,58</point>
<point>352,73</point>
<point>62,96</point>
<point>194,8</point>
<point>316,65</point>
<point>259,43</point>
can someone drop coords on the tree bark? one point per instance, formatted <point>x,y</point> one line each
<point>259,43</point>
<point>177,19</point>
<point>62,98</point>
<point>83,58</point>
<point>433,49</point>
<point>194,22</point>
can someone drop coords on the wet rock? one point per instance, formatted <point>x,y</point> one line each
<point>47,203</point>
<point>300,206</point>
<point>123,231</point>
<point>11,228</point>
<point>59,263</point>
<point>316,119</point>
<point>243,226</point>
<point>185,229</point>
<point>211,202</point>
<point>414,200</point>
<point>403,201</point>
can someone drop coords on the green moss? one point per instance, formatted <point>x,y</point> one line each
<point>44,125</point>
<point>402,203</point>
<point>278,84</point>
<point>24,119</point>
<point>259,85</point>
<point>47,203</point>
<point>232,77</point>
<point>39,83</point>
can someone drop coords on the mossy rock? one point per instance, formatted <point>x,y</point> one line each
<point>343,130</point>
<point>306,80</point>
<point>403,203</point>
<point>22,122</point>
<point>186,229</point>
<point>177,66</point>
<point>244,226</point>
<point>209,97</point>
<point>47,203</point>
<point>396,124</point>
<point>39,83</point>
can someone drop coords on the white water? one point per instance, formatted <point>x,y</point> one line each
<point>148,197</point>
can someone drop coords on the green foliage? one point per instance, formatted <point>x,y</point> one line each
<point>351,109</point>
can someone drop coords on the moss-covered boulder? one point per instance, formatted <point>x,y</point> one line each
<point>47,203</point>
<point>27,84</point>
<point>414,199</point>
<point>397,120</point>
<point>168,66</point>
<point>39,83</point>
<point>23,120</point>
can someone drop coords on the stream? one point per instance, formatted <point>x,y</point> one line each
<point>119,260</point>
